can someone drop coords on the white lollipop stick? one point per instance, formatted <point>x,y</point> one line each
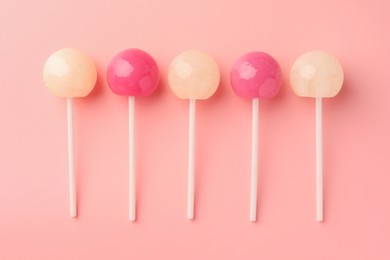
<point>191,160</point>
<point>254,173</point>
<point>131,159</point>
<point>319,185</point>
<point>72,181</point>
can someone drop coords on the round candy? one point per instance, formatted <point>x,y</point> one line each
<point>69,73</point>
<point>256,75</point>
<point>316,74</point>
<point>193,75</point>
<point>133,72</point>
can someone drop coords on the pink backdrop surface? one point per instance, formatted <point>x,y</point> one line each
<point>34,222</point>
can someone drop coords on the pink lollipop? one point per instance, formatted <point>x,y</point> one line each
<point>70,73</point>
<point>255,75</point>
<point>132,73</point>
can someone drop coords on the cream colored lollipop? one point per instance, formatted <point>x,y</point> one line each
<point>70,73</point>
<point>316,74</point>
<point>319,75</point>
<point>193,75</point>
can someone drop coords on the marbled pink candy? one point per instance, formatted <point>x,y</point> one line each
<point>133,72</point>
<point>256,75</point>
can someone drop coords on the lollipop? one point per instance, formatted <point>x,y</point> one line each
<point>70,73</point>
<point>193,75</point>
<point>256,75</point>
<point>318,75</point>
<point>132,73</point>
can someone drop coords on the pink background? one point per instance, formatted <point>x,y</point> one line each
<point>34,222</point>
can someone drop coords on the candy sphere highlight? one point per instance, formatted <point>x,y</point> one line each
<point>133,72</point>
<point>256,75</point>
<point>69,73</point>
<point>316,74</point>
<point>193,75</point>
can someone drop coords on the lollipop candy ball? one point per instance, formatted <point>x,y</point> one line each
<point>133,72</point>
<point>193,75</point>
<point>316,74</point>
<point>69,73</point>
<point>256,75</point>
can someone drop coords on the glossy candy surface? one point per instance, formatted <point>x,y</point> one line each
<point>133,72</point>
<point>256,75</point>
<point>69,73</point>
<point>193,75</point>
<point>316,74</point>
